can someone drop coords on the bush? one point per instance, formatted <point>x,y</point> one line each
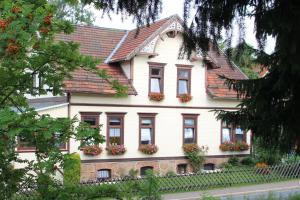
<point>249,161</point>
<point>233,161</point>
<point>149,190</point>
<point>171,173</point>
<point>72,169</point>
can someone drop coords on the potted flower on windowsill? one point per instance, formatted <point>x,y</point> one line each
<point>234,146</point>
<point>92,150</point>
<point>156,96</point>
<point>148,149</point>
<point>116,149</point>
<point>184,98</point>
<point>189,148</point>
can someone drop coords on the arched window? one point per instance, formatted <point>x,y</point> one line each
<point>103,174</point>
<point>144,169</point>
<point>209,166</point>
<point>182,169</point>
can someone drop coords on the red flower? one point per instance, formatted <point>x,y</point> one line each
<point>185,98</point>
<point>156,96</point>
<point>116,149</point>
<point>230,146</point>
<point>148,149</point>
<point>189,148</point>
<point>92,150</point>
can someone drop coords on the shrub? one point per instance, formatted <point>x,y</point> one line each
<point>247,161</point>
<point>195,155</point>
<point>156,96</point>
<point>185,98</point>
<point>71,169</point>
<point>171,173</point>
<point>93,150</point>
<point>233,161</point>
<point>133,173</point>
<point>148,149</point>
<point>116,149</point>
<point>149,190</point>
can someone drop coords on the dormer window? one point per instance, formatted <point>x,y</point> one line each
<point>156,78</point>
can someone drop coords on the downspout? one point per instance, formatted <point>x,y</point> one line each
<point>69,114</point>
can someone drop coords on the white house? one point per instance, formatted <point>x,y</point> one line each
<point>147,63</point>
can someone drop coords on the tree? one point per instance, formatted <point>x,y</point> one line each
<point>271,105</point>
<point>27,48</point>
<point>243,55</point>
<point>74,11</point>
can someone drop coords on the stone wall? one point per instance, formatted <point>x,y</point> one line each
<point>122,168</point>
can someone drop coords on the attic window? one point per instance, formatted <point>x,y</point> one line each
<point>171,34</point>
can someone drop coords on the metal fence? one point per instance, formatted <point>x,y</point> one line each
<point>214,178</point>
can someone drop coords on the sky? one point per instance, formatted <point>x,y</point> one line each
<point>171,7</point>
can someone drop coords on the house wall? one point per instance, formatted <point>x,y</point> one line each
<point>168,121</point>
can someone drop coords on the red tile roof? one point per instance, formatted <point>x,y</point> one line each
<point>97,42</point>
<point>134,40</point>
<point>94,41</point>
<point>83,81</point>
<point>214,84</point>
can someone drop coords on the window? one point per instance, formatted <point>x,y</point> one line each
<point>24,145</point>
<point>231,133</point>
<point>209,166</point>
<point>147,128</point>
<point>145,169</point>
<point>182,169</point>
<point>189,128</point>
<point>183,81</point>
<point>92,118</point>
<point>156,77</point>
<point>115,128</point>
<point>103,174</point>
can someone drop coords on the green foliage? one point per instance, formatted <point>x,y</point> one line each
<point>74,11</point>
<point>149,190</point>
<point>133,173</point>
<point>170,173</point>
<point>196,158</point>
<point>267,155</point>
<point>233,161</point>
<point>249,161</point>
<point>71,168</point>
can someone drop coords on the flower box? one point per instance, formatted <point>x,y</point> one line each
<point>189,148</point>
<point>185,98</point>
<point>116,149</point>
<point>234,146</point>
<point>93,150</point>
<point>156,96</point>
<point>148,149</point>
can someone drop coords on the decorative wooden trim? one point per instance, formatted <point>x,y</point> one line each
<point>184,66</point>
<point>152,117</point>
<point>156,64</point>
<point>195,118</point>
<point>154,106</point>
<point>119,115</point>
<point>157,158</point>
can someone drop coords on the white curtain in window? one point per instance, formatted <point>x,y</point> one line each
<point>155,85</point>
<point>188,133</point>
<point>146,135</point>
<point>103,174</point>
<point>114,132</point>
<point>225,135</point>
<point>183,87</point>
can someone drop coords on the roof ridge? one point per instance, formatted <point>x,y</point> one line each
<point>99,27</point>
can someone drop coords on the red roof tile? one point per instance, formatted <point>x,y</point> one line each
<point>214,84</point>
<point>83,81</point>
<point>94,41</point>
<point>134,40</point>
